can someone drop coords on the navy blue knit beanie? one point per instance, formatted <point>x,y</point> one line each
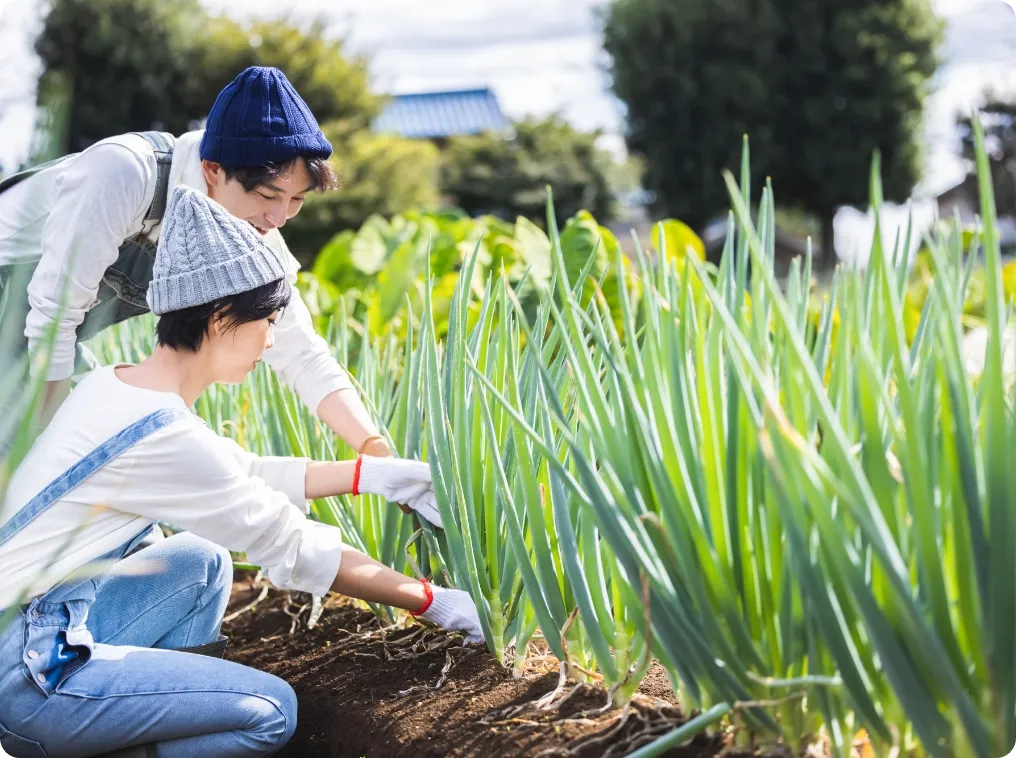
<point>259,118</point>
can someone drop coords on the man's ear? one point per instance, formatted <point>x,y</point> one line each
<point>213,173</point>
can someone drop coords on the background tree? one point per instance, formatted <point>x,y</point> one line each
<point>487,173</point>
<point>380,174</point>
<point>334,83</point>
<point>143,64</point>
<point>694,77</point>
<point>998,115</point>
<point>127,64</point>
<point>130,65</point>
<point>817,86</point>
<point>853,79</point>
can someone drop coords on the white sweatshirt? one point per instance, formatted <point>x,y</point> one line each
<point>184,475</point>
<point>74,216</point>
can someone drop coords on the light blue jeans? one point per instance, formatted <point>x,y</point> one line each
<point>126,686</point>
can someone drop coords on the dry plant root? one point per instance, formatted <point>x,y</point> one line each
<point>295,615</point>
<point>420,689</point>
<point>545,702</point>
<point>423,642</point>
<point>643,727</point>
<point>556,705</point>
<point>648,732</point>
<point>620,723</point>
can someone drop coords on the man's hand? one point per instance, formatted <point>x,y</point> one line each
<point>375,446</point>
<point>400,481</point>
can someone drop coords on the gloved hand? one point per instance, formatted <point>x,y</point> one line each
<point>376,445</point>
<point>400,481</point>
<point>453,610</point>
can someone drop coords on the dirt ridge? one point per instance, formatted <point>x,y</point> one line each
<point>365,693</point>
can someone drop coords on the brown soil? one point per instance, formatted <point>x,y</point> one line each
<point>363,694</point>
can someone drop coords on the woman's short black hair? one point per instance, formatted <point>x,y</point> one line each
<point>321,173</point>
<point>186,329</point>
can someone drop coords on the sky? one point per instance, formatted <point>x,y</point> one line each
<point>539,56</point>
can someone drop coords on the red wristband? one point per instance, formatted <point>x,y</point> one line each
<point>430,598</point>
<point>356,475</point>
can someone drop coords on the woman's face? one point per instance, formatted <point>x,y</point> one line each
<point>236,351</point>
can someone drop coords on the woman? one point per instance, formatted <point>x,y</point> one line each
<point>101,664</point>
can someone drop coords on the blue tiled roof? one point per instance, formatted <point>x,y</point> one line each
<point>442,114</point>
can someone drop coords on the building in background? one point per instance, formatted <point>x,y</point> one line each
<point>959,199</point>
<point>962,201</point>
<point>436,116</point>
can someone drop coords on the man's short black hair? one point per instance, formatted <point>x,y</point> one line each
<point>186,329</point>
<point>322,174</point>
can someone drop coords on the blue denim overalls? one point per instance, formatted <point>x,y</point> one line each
<point>56,640</point>
<point>64,692</point>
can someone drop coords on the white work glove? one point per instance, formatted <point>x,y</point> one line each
<point>454,610</point>
<point>400,481</point>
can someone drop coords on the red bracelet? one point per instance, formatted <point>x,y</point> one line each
<point>356,475</point>
<point>430,598</point>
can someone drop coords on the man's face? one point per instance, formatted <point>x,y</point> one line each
<point>267,206</point>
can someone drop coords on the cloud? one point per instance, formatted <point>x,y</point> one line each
<point>981,32</point>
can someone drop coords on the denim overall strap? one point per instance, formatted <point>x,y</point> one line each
<point>56,639</point>
<point>19,177</point>
<point>124,285</point>
<point>162,143</point>
<point>121,292</point>
<point>108,451</point>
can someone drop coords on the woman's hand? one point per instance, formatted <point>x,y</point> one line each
<point>400,481</point>
<point>454,610</point>
<point>376,445</point>
<point>362,577</point>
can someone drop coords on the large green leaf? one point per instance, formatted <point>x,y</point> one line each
<point>335,260</point>
<point>580,238</point>
<point>393,283</point>
<point>534,247</point>
<point>371,245</point>
<point>677,240</point>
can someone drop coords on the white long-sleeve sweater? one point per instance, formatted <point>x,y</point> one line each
<point>184,474</point>
<point>72,218</point>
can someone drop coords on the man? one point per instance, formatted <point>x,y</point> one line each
<point>82,231</point>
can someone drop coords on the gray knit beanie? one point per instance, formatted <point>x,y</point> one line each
<point>206,254</point>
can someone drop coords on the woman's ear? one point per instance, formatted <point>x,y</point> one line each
<point>218,323</point>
